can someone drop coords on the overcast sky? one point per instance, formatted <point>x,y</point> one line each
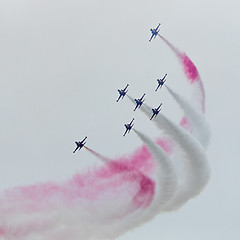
<point>61,63</point>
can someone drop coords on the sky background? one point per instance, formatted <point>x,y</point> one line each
<point>61,63</point>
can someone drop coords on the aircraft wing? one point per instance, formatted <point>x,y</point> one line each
<point>159,106</point>
<point>164,76</point>
<point>136,107</point>
<point>158,26</point>
<point>151,37</point>
<point>119,98</point>
<point>125,88</point>
<point>125,132</point>
<point>75,149</point>
<point>142,97</point>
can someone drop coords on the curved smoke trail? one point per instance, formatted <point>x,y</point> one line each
<point>192,75</point>
<point>196,169</point>
<point>104,202</point>
<point>165,188</point>
<point>167,181</point>
<point>200,128</point>
<point>80,202</point>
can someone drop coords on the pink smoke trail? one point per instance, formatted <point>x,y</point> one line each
<point>127,175</point>
<point>192,75</point>
<point>104,159</point>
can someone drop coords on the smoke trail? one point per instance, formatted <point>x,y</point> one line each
<point>192,75</point>
<point>165,189</point>
<point>120,189</point>
<point>197,171</point>
<point>139,208</point>
<point>167,180</point>
<point>200,128</point>
<point>81,203</point>
<point>104,159</point>
<point>165,142</point>
<point>164,167</point>
<point>166,183</point>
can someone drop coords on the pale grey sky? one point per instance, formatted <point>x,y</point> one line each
<point>61,63</point>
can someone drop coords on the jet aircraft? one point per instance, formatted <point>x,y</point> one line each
<point>161,82</point>
<point>139,102</point>
<point>80,144</point>
<point>156,111</point>
<point>128,127</point>
<point>154,32</point>
<point>122,92</point>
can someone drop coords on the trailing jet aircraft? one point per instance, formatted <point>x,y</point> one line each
<point>128,127</point>
<point>139,102</point>
<point>161,82</point>
<point>154,32</point>
<point>80,144</point>
<point>122,92</point>
<point>156,111</point>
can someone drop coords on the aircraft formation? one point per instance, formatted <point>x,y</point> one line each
<point>139,101</point>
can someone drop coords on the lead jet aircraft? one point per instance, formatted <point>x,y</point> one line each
<point>122,92</point>
<point>161,82</point>
<point>154,32</point>
<point>128,127</point>
<point>139,102</point>
<point>80,144</point>
<point>156,111</point>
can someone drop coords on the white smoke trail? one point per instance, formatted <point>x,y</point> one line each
<point>166,175</point>
<point>197,172</point>
<point>200,128</point>
<point>132,99</point>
